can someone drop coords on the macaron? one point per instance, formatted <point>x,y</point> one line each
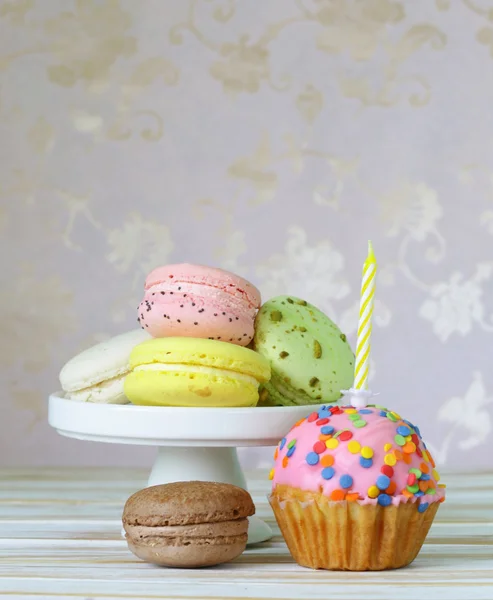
<point>311,359</point>
<point>188,524</point>
<point>97,374</point>
<point>194,372</point>
<point>199,302</point>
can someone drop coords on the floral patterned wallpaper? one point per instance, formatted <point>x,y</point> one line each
<point>271,138</point>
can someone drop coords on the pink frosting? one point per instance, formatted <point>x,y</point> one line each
<point>334,464</point>
<point>197,301</point>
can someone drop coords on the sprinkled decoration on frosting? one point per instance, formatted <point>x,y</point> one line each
<point>385,463</point>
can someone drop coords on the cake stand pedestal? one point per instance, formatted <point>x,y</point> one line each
<point>192,443</point>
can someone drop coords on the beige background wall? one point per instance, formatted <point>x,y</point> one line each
<point>272,138</point>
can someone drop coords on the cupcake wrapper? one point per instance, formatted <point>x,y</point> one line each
<point>348,536</point>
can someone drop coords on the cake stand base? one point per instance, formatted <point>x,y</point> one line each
<point>206,464</point>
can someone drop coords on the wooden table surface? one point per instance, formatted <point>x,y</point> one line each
<point>60,538</point>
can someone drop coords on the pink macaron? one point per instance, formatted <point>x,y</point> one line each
<point>197,301</point>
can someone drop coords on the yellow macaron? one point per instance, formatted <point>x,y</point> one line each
<point>182,371</point>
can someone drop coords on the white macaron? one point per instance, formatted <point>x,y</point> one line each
<point>97,374</point>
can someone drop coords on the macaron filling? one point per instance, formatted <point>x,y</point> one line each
<point>196,369</point>
<point>109,387</point>
<point>193,530</point>
<point>279,389</point>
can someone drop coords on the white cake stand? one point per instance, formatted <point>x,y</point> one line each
<point>193,443</point>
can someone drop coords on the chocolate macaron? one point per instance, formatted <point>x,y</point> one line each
<point>188,524</point>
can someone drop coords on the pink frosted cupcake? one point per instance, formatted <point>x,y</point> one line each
<point>354,489</point>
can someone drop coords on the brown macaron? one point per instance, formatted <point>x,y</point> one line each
<point>188,524</point>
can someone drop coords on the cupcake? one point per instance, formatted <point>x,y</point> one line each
<point>354,489</point>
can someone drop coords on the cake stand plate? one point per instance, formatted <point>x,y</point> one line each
<point>192,443</point>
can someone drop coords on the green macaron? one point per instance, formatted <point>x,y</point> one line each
<point>311,360</point>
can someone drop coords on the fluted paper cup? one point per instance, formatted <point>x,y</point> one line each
<point>348,536</point>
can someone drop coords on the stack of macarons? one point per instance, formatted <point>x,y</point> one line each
<point>206,340</point>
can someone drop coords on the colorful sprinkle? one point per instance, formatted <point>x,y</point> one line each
<point>345,481</point>
<point>411,479</point>
<point>354,447</point>
<point>416,472</point>
<point>327,460</point>
<point>328,473</point>
<point>366,463</point>
<point>435,474</point>
<point>327,430</point>
<point>282,444</point>
<point>424,468</point>
<point>383,482</point>
<point>324,438</point>
<point>391,417</point>
<point>391,489</point>
<point>291,443</point>
<point>373,491</point>
<point>291,451</point>
<point>409,447</point>
<point>354,417</point>
<point>319,447</point>
<point>387,447</point>
<point>403,430</point>
<point>413,488</point>
<point>345,435</point>
<point>332,443</point>
<point>406,458</point>
<point>366,452</point>
<point>384,500</point>
<point>350,411</point>
<point>398,454</point>
<point>271,474</point>
<point>285,461</point>
<point>337,495</point>
<point>399,440</point>
<point>312,458</point>
<point>387,470</point>
<point>422,507</point>
<point>431,491</point>
<point>323,421</point>
<point>365,411</point>
<point>276,452</point>
<point>352,496</point>
<point>359,423</point>
<point>390,460</point>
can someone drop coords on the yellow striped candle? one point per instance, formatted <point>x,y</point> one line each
<point>361,369</point>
